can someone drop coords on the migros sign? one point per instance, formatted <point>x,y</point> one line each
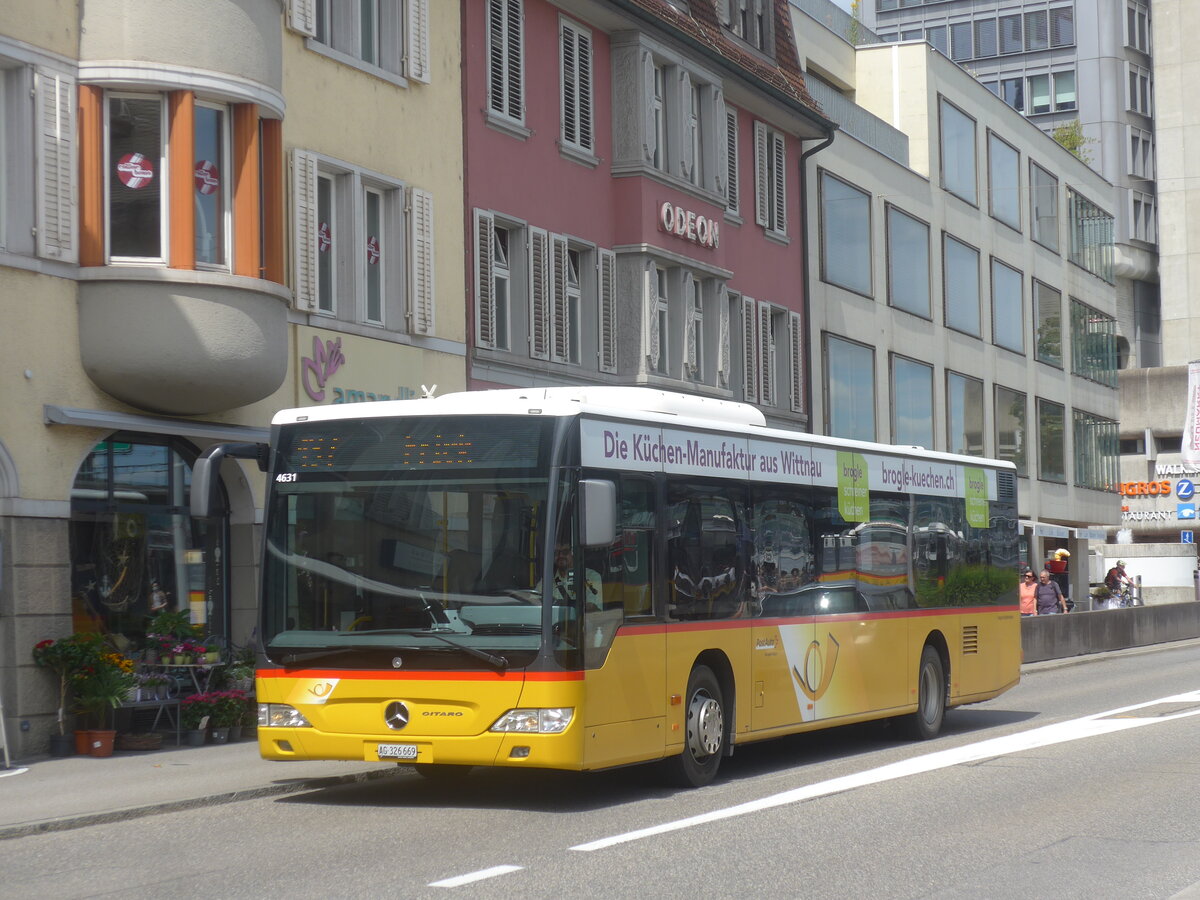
<point>1145,488</point>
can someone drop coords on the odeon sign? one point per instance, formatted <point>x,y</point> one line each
<point>686,224</point>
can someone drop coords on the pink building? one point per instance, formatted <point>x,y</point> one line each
<point>633,195</point>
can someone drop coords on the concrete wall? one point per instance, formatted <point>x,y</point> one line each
<point>1059,637</point>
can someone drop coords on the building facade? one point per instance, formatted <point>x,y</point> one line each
<point>634,200</point>
<point>963,294</point>
<point>203,219</point>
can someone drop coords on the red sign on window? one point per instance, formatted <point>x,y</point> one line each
<point>135,171</point>
<point>373,250</point>
<point>324,237</point>
<point>207,179</point>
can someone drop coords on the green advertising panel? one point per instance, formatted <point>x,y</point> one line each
<point>854,498</point>
<point>976,494</point>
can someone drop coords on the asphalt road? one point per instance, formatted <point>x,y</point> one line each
<point>1057,789</point>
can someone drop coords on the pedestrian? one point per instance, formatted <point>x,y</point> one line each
<point>1049,596</point>
<point>1028,593</point>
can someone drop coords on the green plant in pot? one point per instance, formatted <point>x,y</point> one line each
<point>173,623</point>
<point>101,688</point>
<point>194,710</point>
<point>66,658</point>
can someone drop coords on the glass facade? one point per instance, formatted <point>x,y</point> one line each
<point>850,389</point>
<point>912,403</point>
<point>908,263</point>
<point>1093,344</point>
<point>1097,457</point>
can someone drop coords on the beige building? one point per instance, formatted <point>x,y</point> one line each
<point>208,212</point>
<point>962,287</point>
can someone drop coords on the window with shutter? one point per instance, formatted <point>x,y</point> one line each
<point>689,149</point>
<point>421,293</point>
<point>539,293</point>
<point>378,36</point>
<point>576,86</point>
<point>723,344</point>
<point>302,17</point>
<point>691,357</point>
<point>778,222</point>
<point>560,299</point>
<point>485,298</point>
<point>766,358</point>
<point>56,166</point>
<point>750,378</point>
<point>416,63</point>
<point>653,330</point>
<point>730,163</point>
<point>506,59</point>
<point>796,336</point>
<point>607,311</point>
<point>762,190</point>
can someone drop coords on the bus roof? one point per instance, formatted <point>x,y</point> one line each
<point>644,405</point>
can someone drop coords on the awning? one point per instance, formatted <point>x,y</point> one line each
<point>118,421</point>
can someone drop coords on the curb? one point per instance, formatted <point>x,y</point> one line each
<point>83,820</point>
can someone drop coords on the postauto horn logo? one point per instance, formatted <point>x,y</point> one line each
<point>818,668</point>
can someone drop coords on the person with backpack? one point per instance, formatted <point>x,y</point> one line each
<point>1049,596</point>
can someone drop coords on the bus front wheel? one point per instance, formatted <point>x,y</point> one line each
<point>704,742</point>
<point>926,722</point>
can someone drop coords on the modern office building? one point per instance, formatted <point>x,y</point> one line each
<point>203,219</point>
<point>962,290</point>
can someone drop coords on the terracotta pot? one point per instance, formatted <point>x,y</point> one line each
<point>100,742</point>
<point>82,744</point>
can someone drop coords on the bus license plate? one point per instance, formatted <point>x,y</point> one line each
<point>397,751</point>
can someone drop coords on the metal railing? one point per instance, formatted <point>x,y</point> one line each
<point>837,20</point>
<point>860,124</point>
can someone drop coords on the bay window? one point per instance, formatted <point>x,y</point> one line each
<point>212,185</point>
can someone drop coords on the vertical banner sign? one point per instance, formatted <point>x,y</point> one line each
<point>977,497</point>
<point>1190,452</point>
<point>854,498</point>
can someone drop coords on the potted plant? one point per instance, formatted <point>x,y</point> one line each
<point>66,657</point>
<point>99,688</point>
<point>227,707</point>
<point>195,712</point>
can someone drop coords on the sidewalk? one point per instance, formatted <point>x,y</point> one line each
<point>49,794</point>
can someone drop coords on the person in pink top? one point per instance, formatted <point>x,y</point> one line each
<point>1028,593</point>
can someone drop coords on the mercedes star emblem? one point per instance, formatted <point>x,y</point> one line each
<point>396,715</point>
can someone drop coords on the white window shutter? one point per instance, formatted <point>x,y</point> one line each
<point>723,11</point>
<point>762,212</point>
<point>721,118</point>
<point>749,351</point>
<point>560,326</point>
<point>766,353</point>
<point>485,285</point>
<point>650,141</point>
<point>56,211</point>
<point>779,195</point>
<point>651,311</point>
<point>687,158</point>
<point>416,34</point>
<point>796,334</point>
<point>421,294</point>
<point>302,17</point>
<point>585,90</point>
<point>689,322</point>
<point>304,230</point>
<point>732,182</point>
<point>723,336</point>
<point>607,311</point>
<point>570,86</point>
<point>539,294</point>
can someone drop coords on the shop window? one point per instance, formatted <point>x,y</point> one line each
<point>135,549</point>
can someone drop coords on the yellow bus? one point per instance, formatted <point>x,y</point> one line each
<point>584,578</point>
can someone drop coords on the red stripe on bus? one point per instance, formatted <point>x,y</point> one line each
<point>419,675</point>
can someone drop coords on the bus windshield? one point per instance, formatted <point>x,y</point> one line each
<point>421,534</point>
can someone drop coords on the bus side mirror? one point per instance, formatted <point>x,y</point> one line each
<point>205,475</point>
<point>599,519</point>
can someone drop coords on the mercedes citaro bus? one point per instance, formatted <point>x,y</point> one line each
<point>583,578</point>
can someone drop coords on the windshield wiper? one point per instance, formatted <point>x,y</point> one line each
<point>499,662</point>
<point>291,657</point>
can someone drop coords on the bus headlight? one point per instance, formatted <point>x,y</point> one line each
<point>279,715</point>
<point>536,721</point>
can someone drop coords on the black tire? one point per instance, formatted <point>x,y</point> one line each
<point>704,726</point>
<point>441,771</point>
<point>926,722</point>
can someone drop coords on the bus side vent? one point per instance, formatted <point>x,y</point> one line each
<point>970,638</point>
<point>1006,486</point>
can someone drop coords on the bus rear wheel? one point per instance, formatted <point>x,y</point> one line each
<point>704,741</point>
<point>926,722</point>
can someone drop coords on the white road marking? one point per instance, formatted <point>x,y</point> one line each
<point>12,771</point>
<point>1076,729</point>
<point>459,880</point>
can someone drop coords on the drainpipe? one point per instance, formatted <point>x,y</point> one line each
<point>808,280</point>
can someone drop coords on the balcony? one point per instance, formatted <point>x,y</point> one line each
<point>182,342</point>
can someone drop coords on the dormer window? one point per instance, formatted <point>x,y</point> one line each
<point>750,20</point>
